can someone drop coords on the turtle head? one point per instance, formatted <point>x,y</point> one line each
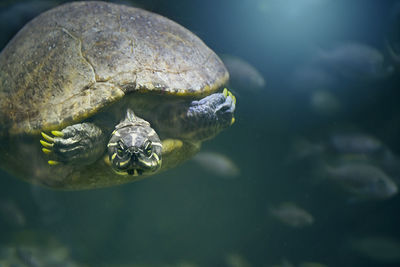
<point>134,147</point>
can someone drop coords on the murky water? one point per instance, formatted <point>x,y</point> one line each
<point>308,174</point>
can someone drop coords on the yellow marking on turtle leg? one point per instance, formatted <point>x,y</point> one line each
<point>168,145</point>
<point>45,144</point>
<point>225,92</point>
<point>46,151</point>
<point>113,156</point>
<point>53,162</point>
<point>48,138</point>
<point>57,133</point>
<point>233,120</point>
<point>234,99</point>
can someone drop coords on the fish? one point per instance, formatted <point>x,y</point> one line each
<point>243,75</point>
<point>303,150</point>
<point>217,164</point>
<point>363,180</point>
<point>355,143</point>
<point>324,102</point>
<point>354,62</point>
<point>292,215</point>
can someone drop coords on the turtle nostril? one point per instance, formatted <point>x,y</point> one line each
<point>133,150</point>
<point>134,157</point>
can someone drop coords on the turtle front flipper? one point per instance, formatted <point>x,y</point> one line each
<point>78,144</point>
<point>200,119</point>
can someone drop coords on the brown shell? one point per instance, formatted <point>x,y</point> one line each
<point>71,61</point>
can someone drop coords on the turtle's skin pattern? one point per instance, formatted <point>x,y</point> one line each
<point>82,70</point>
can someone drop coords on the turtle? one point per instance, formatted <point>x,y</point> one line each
<point>96,94</point>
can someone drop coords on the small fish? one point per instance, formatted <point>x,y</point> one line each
<point>303,150</point>
<point>363,180</point>
<point>355,143</point>
<point>354,62</point>
<point>292,215</point>
<point>217,164</point>
<point>242,74</point>
<point>324,102</point>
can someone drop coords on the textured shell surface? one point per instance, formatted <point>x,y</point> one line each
<point>71,61</point>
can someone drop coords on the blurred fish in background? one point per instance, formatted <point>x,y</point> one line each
<point>353,62</point>
<point>291,214</point>
<point>324,102</point>
<point>352,142</point>
<point>242,75</point>
<point>217,164</point>
<point>364,181</point>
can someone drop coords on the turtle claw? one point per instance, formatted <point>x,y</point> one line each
<point>57,133</point>
<point>225,92</point>
<point>45,144</point>
<point>77,144</point>
<point>46,151</point>
<point>47,137</point>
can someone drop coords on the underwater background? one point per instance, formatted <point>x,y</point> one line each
<point>308,175</point>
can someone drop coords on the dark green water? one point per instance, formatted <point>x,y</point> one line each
<point>330,68</point>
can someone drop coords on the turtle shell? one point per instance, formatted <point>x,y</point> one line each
<point>71,61</point>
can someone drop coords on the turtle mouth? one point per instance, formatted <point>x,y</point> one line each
<point>134,172</point>
<point>135,165</point>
